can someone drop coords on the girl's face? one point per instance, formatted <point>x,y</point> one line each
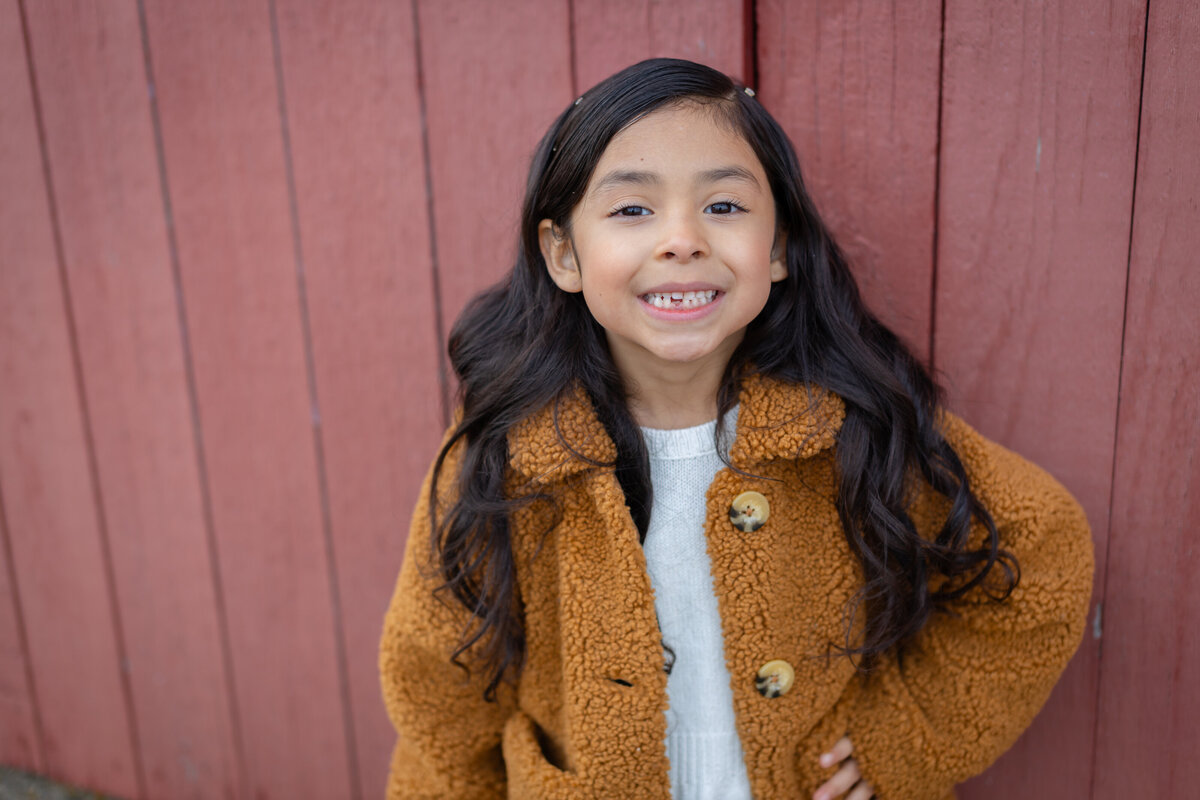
<point>672,241</point>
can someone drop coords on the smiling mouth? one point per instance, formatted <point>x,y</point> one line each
<point>680,300</point>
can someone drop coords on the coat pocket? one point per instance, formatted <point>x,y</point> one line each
<point>531,776</point>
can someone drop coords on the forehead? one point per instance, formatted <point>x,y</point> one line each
<point>678,141</point>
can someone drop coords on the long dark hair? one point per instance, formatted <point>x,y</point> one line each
<point>524,344</point>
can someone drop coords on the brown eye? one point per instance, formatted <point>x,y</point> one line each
<point>724,207</point>
<point>631,211</point>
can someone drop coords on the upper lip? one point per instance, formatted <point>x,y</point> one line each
<point>667,288</point>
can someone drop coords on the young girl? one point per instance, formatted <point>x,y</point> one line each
<point>700,528</point>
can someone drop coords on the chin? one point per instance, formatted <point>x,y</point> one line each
<point>685,354</point>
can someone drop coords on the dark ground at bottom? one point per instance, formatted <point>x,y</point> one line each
<point>16,785</point>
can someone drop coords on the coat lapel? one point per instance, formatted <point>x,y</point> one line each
<point>559,441</point>
<point>782,589</point>
<point>776,420</point>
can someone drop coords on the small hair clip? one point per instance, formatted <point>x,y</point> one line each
<point>578,100</point>
<point>749,92</point>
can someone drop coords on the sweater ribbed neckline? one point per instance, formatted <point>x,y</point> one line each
<point>698,440</point>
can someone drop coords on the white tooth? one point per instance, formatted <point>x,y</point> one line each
<point>681,300</point>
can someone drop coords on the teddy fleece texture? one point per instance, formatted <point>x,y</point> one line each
<point>585,717</point>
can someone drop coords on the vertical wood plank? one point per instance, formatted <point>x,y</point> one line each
<point>495,76</point>
<point>104,168</point>
<point>1147,735</point>
<point>1037,155</point>
<point>48,498</point>
<point>355,127</point>
<point>857,92</point>
<point>214,74</point>
<point>20,744</point>
<point>611,36</point>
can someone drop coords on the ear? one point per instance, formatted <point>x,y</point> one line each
<point>559,256</point>
<point>779,269</point>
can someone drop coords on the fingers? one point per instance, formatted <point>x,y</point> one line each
<point>838,753</point>
<point>847,778</point>
<point>862,791</point>
<point>842,780</point>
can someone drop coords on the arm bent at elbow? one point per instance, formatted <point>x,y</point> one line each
<point>975,677</point>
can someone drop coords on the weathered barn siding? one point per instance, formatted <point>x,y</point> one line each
<point>234,235</point>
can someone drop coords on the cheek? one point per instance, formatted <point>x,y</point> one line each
<point>607,301</point>
<point>607,271</point>
<point>749,244</point>
<point>599,284</point>
<point>754,267</point>
<point>602,291</point>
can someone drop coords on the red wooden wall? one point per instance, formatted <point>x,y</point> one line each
<point>234,234</point>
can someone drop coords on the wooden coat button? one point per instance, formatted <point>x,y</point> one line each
<point>775,678</point>
<point>749,512</point>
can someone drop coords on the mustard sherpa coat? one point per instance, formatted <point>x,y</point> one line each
<point>586,717</point>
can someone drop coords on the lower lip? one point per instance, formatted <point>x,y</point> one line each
<point>682,314</point>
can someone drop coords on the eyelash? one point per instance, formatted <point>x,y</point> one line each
<point>735,206</point>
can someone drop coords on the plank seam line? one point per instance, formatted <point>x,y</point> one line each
<point>937,196</point>
<point>335,599</point>
<point>439,325</point>
<point>39,748</point>
<point>123,667</point>
<point>189,371</point>
<point>574,58</point>
<point>750,44</point>
<point>1112,483</point>
<point>5,541</point>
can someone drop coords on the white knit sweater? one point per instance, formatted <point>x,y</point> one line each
<point>702,741</point>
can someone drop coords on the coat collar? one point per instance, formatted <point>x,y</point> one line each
<point>777,419</point>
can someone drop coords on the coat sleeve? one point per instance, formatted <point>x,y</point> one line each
<point>974,680</point>
<point>449,736</point>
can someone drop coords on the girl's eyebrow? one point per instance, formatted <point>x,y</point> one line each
<point>723,173</point>
<point>621,177</point>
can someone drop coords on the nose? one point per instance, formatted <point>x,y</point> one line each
<point>683,240</point>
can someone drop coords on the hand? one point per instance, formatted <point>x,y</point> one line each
<point>848,778</point>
